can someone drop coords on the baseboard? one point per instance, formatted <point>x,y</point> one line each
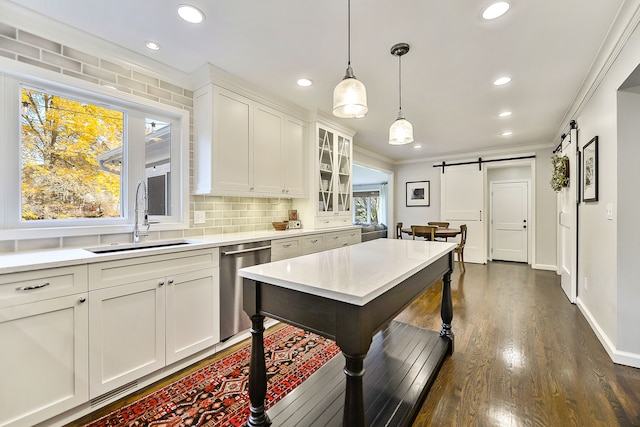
<point>544,267</point>
<point>620,357</point>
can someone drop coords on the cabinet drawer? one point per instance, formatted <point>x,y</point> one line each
<point>39,285</point>
<point>114,273</point>
<point>311,244</point>
<point>342,238</point>
<point>333,221</point>
<point>284,248</point>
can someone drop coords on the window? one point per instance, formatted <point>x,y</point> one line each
<point>365,206</point>
<point>73,158</point>
<point>62,144</point>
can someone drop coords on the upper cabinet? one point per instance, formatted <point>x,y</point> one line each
<point>246,148</point>
<point>330,183</point>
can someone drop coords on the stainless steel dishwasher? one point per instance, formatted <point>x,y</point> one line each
<point>233,319</point>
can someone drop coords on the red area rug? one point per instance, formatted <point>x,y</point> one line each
<point>217,395</point>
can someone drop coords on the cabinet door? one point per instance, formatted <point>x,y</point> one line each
<point>342,176</point>
<point>193,313</point>
<point>325,147</point>
<point>44,359</point>
<point>232,141</point>
<point>294,158</point>
<point>268,162</point>
<point>127,331</point>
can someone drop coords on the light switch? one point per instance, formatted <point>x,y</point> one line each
<point>609,211</point>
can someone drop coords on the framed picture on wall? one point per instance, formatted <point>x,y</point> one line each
<point>590,171</point>
<point>418,193</point>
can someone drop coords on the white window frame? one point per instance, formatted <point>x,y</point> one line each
<point>11,227</point>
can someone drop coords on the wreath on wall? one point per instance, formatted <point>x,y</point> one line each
<point>560,177</point>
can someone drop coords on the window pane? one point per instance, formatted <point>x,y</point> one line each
<point>71,157</point>
<point>158,166</point>
<point>360,209</point>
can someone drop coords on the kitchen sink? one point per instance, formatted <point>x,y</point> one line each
<point>121,247</point>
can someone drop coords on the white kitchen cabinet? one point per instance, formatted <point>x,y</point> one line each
<point>303,245</point>
<point>246,148</point>
<point>192,314</point>
<point>44,357</point>
<point>127,335</point>
<point>329,205</point>
<point>149,312</point>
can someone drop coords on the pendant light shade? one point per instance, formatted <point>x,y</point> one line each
<point>350,95</point>
<point>401,131</point>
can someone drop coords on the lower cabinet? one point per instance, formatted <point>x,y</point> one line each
<point>165,309</point>
<point>44,360</point>
<point>127,335</point>
<point>303,245</point>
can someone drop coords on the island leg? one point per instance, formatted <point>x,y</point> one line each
<point>446,309</point>
<point>353,414</point>
<point>257,375</point>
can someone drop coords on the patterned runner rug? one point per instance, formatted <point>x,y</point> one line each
<point>217,395</point>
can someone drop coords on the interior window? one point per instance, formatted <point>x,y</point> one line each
<point>365,206</point>
<point>64,150</point>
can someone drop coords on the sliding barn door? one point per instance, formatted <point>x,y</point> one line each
<point>462,190</point>
<point>568,221</point>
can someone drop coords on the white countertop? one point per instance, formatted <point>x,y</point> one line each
<point>33,260</point>
<point>355,274</point>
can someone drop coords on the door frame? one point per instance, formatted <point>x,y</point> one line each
<point>531,163</point>
<point>529,212</point>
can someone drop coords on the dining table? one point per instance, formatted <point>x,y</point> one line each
<point>441,232</point>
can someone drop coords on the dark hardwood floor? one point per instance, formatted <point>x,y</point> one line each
<point>523,356</point>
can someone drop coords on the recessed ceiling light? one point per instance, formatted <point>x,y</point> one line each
<point>507,133</point>
<point>152,45</point>
<point>304,82</point>
<point>502,81</point>
<point>190,14</point>
<point>495,10</point>
<point>417,147</point>
<point>505,114</point>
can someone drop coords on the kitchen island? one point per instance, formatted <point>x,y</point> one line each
<point>348,295</point>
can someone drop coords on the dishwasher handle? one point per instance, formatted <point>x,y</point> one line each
<point>244,251</point>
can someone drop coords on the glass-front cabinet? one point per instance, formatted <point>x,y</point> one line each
<point>334,174</point>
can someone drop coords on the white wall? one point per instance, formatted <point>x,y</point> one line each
<point>544,256</point>
<point>608,284</point>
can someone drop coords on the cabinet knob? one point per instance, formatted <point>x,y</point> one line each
<point>251,189</point>
<point>82,299</point>
<point>170,281</point>
<point>161,283</point>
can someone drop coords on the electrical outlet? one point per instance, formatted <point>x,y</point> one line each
<point>199,217</point>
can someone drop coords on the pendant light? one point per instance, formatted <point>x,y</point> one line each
<point>350,95</point>
<point>401,131</point>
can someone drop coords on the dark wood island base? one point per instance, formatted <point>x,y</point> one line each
<point>387,367</point>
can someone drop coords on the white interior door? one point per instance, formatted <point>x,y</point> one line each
<point>567,221</point>
<point>509,221</point>
<point>462,192</point>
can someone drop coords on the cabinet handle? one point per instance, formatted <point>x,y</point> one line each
<point>251,189</point>
<point>81,299</point>
<point>161,283</point>
<point>314,241</point>
<point>286,245</point>
<point>171,281</point>
<point>32,287</point>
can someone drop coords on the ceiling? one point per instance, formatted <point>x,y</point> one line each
<point>545,46</point>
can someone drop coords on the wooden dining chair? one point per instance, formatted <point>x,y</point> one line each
<point>439,224</point>
<point>399,230</point>
<point>442,225</point>
<point>460,248</point>
<point>426,231</point>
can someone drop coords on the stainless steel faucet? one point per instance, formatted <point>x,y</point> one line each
<point>145,222</point>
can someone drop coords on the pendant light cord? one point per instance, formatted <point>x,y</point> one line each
<point>349,33</point>
<point>400,82</point>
